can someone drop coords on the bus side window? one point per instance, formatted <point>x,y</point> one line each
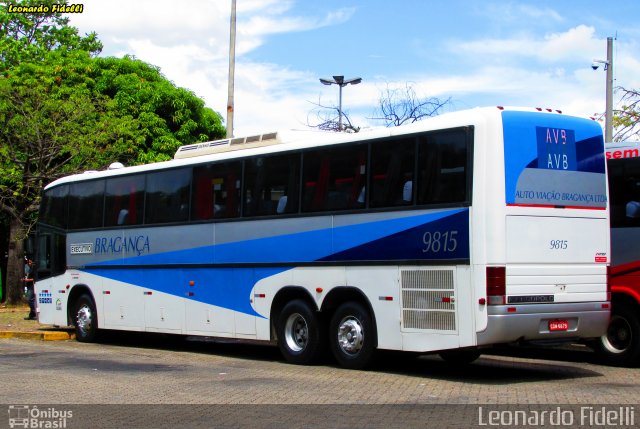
<point>124,201</point>
<point>392,165</point>
<point>442,168</point>
<point>86,203</point>
<point>203,193</point>
<point>167,198</point>
<point>334,179</point>
<point>271,185</point>
<point>216,191</point>
<point>53,208</point>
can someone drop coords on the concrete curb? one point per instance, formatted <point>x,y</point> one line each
<point>39,335</point>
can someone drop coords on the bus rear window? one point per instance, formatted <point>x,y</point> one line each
<point>553,161</point>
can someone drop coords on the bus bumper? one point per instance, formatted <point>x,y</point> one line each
<point>540,322</point>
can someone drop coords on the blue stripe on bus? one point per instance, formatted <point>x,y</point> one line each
<point>388,240</point>
<point>441,239</point>
<point>228,288</point>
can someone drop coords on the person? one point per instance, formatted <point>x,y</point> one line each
<point>31,294</point>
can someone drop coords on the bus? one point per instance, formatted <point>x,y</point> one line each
<point>455,233</point>
<point>621,344</point>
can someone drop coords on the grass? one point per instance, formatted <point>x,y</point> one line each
<point>12,319</point>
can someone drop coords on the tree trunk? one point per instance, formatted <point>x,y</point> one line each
<point>15,263</point>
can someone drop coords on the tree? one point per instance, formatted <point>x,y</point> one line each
<point>62,110</point>
<point>398,106</point>
<point>26,37</point>
<point>168,116</point>
<point>328,119</point>
<point>70,112</point>
<point>47,129</point>
<point>626,120</point>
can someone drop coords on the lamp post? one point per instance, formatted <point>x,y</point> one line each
<point>341,82</point>
<point>232,68</point>
<point>608,66</point>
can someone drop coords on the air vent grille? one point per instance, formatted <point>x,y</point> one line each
<point>428,299</point>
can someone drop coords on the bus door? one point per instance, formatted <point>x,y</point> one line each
<point>50,263</point>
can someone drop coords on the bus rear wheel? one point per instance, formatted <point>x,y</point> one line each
<point>620,346</point>
<point>352,336</point>
<point>85,319</point>
<point>299,333</point>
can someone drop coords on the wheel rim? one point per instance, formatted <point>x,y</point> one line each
<point>84,320</point>
<point>350,335</point>
<point>619,336</point>
<point>296,332</point>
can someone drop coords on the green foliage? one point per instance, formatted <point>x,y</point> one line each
<point>70,112</point>
<point>626,120</point>
<point>168,116</point>
<point>64,110</point>
<point>51,124</point>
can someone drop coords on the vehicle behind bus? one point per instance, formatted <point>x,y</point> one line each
<point>621,344</point>
<point>453,234</point>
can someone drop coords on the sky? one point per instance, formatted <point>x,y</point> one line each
<point>535,53</point>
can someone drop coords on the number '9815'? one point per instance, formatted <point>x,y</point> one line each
<point>439,242</point>
<point>558,244</point>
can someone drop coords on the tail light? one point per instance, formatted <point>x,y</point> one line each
<point>608,283</point>
<point>496,285</point>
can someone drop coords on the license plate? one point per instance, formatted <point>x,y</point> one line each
<point>558,325</point>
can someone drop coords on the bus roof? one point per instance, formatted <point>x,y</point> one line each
<point>273,142</point>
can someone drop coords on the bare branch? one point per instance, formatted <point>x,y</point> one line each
<point>327,119</point>
<point>398,106</point>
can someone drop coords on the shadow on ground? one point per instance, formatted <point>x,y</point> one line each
<point>505,365</point>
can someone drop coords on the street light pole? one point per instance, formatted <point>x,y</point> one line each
<point>339,105</point>
<point>341,82</point>
<point>608,66</point>
<point>608,126</point>
<point>232,68</point>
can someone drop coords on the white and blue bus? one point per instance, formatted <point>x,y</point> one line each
<point>458,232</point>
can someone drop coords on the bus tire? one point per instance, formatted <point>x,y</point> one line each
<point>85,319</point>
<point>620,346</point>
<point>299,333</point>
<point>352,336</point>
<point>460,357</point>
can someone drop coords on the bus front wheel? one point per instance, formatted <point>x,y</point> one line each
<point>85,319</point>
<point>299,333</point>
<point>352,336</point>
<point>620,346</point>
